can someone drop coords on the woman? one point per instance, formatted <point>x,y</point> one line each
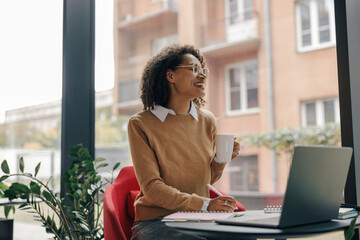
<point>172,144</point>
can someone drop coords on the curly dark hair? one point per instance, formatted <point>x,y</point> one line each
<point>154,86</point>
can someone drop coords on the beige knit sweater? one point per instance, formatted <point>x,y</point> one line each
<point>173,162</point>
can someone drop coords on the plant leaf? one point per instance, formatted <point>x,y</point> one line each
<point>37,168</point>
<point>102,165</point>
<point>47,183</point>
<point>22,205</point>
<point>84,226</point>
<point>2,178</point>
<point>77,194</point>
<point>19,187</point>
<point>47,195</point>
<point>349,233</point>
<point>21,164</point>
<point>99,160</point>
<point>5,167</point>
<point>116,166</point>
<point>89,165</point>
<point>26,208</point>
<point>35,188</point>
<point>7,210</point>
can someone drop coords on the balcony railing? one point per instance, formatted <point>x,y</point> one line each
<point>239,28</point>
<point>134,16</point>
<point>171,5</point>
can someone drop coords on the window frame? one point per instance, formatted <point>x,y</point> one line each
<point>319,110</point>
<point>348,59</point>
<point>244,110</point>
<point>241,11</point>
<point>78,93</point>
<point>314,27</point>
<point>236,169</point>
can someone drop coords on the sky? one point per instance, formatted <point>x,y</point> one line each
<point>31,51</point>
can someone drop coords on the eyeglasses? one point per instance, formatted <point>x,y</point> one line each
<point>197,69</point>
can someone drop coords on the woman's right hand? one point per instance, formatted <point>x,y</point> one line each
<point>222,203</point>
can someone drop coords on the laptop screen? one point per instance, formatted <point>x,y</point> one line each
<point>316,181</point>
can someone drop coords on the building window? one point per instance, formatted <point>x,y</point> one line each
<point>315,22</point>
<point>244,173</point>
<point>160,43</point>
<point>242,88</point>
<point>241,23</point>
<point>239,10</point>
<point>128,91</point>
<point>320,112</point>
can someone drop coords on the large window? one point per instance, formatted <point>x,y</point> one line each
<point>244,174</point>
<point>320,112</point>
<point>30,93</point>
<point>239,10</point>
<point>315,24</point>
<point>242,88</point>
<point>30,86</point>
<point>240,20</point>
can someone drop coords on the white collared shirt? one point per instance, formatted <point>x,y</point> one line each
<point>161,113</point>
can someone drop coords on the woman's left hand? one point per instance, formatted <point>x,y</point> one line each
<point>236,149</point>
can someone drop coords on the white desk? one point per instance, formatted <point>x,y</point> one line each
<point>241,232</point>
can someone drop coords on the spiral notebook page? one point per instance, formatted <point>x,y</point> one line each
<point>200,216</point>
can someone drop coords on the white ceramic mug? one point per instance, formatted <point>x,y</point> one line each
<point>224,147</point>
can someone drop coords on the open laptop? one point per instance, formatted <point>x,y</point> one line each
<point>314,191</point>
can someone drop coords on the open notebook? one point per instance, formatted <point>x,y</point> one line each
<point>199,216</point>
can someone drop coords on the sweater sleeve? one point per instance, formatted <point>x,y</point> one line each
<point>147,171</point>
<point>216,168</point>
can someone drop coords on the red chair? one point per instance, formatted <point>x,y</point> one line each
<point>117,222</point>
<point>119,205</point>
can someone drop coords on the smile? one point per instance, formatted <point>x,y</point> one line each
<point>200,85</point>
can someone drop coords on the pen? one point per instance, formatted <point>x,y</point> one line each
<point>217,192</point>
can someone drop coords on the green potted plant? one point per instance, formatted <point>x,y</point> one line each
<point>79,217</point>
<point>350,231</point>
<point>6,224</point>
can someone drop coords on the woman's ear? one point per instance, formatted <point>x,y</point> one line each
<point>170,76</point>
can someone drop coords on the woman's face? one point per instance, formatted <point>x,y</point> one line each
<point>185,81</point>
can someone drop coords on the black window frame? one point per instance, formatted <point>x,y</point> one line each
<point>348,60</point>
<point>78,93</point>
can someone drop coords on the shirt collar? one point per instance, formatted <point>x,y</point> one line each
<point>161,112</point>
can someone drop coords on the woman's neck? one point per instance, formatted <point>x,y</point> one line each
<point>180,107</point>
